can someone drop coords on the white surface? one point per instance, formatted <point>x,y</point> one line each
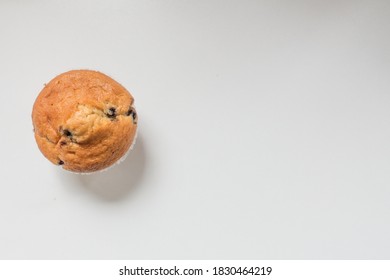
<point>264,130</point>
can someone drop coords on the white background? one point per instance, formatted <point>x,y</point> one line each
<point>263,130</point>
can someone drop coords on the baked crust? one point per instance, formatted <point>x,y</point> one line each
<point>84,121</point>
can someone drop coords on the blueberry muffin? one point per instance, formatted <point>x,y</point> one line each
<point>84,121</point>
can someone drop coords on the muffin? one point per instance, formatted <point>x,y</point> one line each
<point>84,121</point>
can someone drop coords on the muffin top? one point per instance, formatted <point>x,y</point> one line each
<point>84,121</point>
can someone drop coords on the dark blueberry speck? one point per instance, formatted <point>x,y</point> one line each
<point>111,112</point>
<point>67,133</point>
<point>130,112</point>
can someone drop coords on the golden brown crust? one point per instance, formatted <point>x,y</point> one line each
<point>84,121</point>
